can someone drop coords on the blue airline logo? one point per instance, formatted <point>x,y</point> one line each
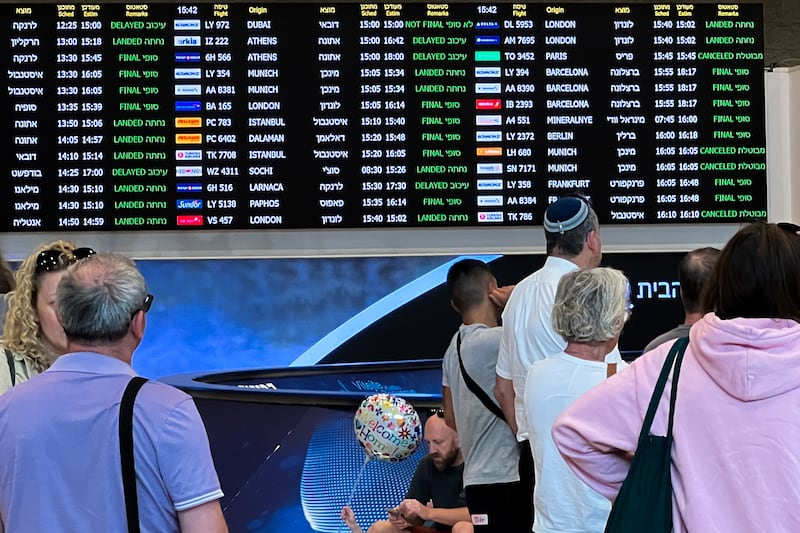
<point>187,57</point>
<point>195,203</point>
<point>487,39</point>
<point>188,105</point>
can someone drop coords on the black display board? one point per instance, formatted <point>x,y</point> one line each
<point>300,115</point>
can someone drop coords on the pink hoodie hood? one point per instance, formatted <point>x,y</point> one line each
<point>749,358</point>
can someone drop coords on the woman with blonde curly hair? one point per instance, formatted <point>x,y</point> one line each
<point>32,335</point>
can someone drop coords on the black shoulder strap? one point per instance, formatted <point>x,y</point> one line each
<point>475,388</point>
<point>12,368</point>
<point>126,452</point>
<point>672,364</point>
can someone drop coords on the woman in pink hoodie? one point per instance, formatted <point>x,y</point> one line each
<point>736,450</point>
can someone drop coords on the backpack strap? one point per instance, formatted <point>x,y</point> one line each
<point>126,452</point>
<point>12,367</point>
<point>475,388</point>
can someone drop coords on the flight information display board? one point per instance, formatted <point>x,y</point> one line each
<point>314,115</point>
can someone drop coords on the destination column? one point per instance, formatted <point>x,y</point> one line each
<point>570,51</point>
<point>25,188</point>
<point>267,119</point>
<point>332,151</point>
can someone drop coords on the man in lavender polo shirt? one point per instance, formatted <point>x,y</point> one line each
<point>59,431</point>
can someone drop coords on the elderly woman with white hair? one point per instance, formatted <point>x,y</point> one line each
<point>590,309</point>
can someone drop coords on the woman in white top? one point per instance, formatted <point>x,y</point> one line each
<point>590,308</point>
<point>32,335</point>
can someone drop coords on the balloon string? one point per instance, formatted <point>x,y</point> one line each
<point>358,480</point>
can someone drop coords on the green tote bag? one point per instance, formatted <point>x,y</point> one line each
<point>644,502</point>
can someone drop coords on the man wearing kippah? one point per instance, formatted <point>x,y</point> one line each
<point>573,242</point>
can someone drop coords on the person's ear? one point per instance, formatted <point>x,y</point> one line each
<point>455,307</point>
<point>137,325</point>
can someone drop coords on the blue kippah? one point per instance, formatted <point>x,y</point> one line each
<point>565,214</point>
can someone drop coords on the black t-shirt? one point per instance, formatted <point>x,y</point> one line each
<point>445,488</point>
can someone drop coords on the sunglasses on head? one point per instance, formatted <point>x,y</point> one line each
<point>50,260</point>
<point>438,412</point>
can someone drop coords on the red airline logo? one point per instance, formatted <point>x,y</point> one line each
<point>489,104</point>
<point>190,220</point>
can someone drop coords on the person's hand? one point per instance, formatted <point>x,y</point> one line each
<point>412,508</point>
<point>500,295</point>
<point>397,519</point>
<point>348,516</point>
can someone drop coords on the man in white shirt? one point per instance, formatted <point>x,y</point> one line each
<point>572,235</point>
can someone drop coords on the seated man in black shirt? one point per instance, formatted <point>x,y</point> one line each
<point>435,498</point>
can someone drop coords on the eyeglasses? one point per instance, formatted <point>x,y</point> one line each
<point>790,227</point>
<point>50,260</point>
<point>438,412</point>
<point>148,301</point>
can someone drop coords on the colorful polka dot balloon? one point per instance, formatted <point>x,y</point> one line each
<point>387,427</point>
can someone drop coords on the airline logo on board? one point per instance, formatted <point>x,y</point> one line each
<point>489,104</point>
<point>490,168</point>
<point>188,90</point>
<point>490,201</point>
<point>188,105</point>
<point>490,185</point>
<point>488,120</point>
<point>488,136</point>
<point>187,40</point>
<point>490,216</point>
<point>187,24</point>
<point>487,39</point>
<point>489,151</point>
<point>189,155</point>
<point>195,203</point>
<point>188,74</point>
<point>486,88</point>
<point>187,57</point>
<point>184,172</point>
<point>189,187</point>
<point>487,72</point>
<point>190,220</point>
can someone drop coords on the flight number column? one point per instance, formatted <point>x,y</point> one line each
<point>520,55</point>
<point>383,95</point>
<point>222,101</point>
<point>440,59</point>
<point>732,150</point>
<point>26,88</point>
<point>140,168</point>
